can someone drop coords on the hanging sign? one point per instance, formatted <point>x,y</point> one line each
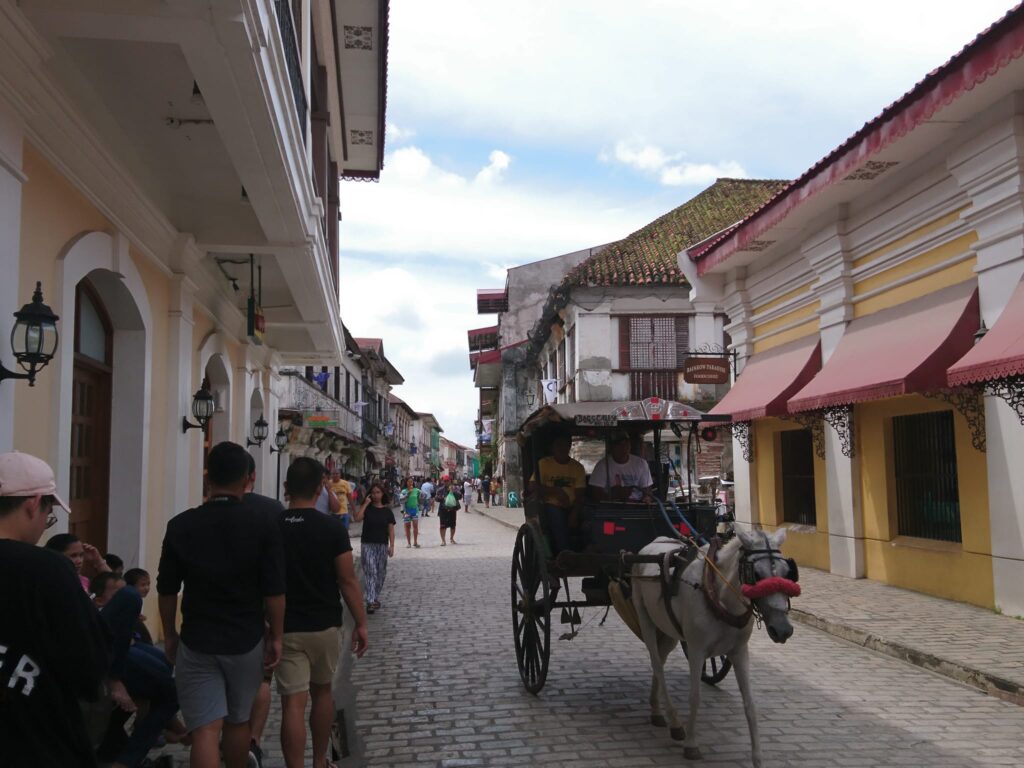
<point>320,419</point>
<point>550,387</point>
<point>256,323</point>
<point>596,420</point>
<point>706,370</point>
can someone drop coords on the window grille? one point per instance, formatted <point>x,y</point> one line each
<point>798,502</point>
<point>653,342</point>
<point>927,490</point>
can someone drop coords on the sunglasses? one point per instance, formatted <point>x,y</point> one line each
<point>51,515</point>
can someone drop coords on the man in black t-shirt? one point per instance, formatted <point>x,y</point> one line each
<point>319,566</point>
<point>231,564</point>
<point>53,644</point>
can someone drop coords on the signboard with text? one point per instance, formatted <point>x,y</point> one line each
<point>320,419</point>
<point>706,370</point>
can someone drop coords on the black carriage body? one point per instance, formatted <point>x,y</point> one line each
<point>617,527</point>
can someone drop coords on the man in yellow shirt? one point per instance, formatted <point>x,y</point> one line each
<point>341,488</point>
<point>561,484</point>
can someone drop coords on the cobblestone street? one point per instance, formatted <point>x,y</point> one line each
<point>440,687</point>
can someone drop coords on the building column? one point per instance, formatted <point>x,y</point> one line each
<point>11,179</point>
<point>177,468</point>
<point>828,255</point>
<point>987,168</point>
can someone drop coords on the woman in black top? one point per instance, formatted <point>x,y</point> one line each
<point>378,542</point>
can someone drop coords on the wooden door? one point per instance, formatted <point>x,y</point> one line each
<point>90,453</point>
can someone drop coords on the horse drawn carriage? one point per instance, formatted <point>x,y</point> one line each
<point>639,552</point>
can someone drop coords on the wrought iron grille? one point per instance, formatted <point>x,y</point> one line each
<point>927,492</point>
<point>644,384</point>
<point>798,477</point>
<point>290,40</point>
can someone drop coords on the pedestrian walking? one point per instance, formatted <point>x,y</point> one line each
<point>485,486</point>
<point>378,542</point>
<point>231,565</point>
<point>448,507</point>
<point>319,567</point>
<point>53,645</point>
<point>427,496</point>
<point>467,493</point>
<point>479,488</point>
<point>411,513</point>
<point>496,492</point>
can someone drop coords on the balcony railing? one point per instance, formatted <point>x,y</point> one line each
<point>286,24</point>
<point>371,431</point>
<point>653,383</point>
<point>306,397</point>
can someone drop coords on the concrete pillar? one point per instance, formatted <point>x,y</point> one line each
<point>11,179</point>
<point>178,455</point>
<point>987,167</point>
<point>828,255</point>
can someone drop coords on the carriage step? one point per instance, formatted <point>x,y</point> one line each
<point>570,618</point>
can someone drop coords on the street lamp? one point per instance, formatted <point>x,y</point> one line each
<point>202,410</point>
<point>260,430</point>
<point>33,338</point>
<point>280,440</point>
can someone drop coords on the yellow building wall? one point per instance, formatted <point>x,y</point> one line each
<point>807,547</point>
<point>947,569</point>
<point>52,213</point>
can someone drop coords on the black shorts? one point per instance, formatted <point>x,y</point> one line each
<point>447,517</point>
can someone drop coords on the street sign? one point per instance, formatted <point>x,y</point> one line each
<point>320,419</point>
<point>706,370</point>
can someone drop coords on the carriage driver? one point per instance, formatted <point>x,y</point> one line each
<point>561,484</point>
<point>621,476</point>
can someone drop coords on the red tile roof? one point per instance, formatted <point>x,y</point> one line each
<point>374,344</point>
<point>648,256</point>
<point>990,51</point>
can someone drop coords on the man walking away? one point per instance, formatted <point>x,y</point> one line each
<point>319,562</point>
<point>486,487</point>
<point>427,494</point>
<point>467,493</point>
<point>53,646</point>
<point>231,564</point>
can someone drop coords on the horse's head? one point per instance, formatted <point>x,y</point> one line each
<point>768,579</point>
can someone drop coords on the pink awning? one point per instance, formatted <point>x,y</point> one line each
<point>769,379</point>
<point>899,350</point>
<point>1000,352</point>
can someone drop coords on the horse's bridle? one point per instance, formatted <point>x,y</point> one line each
<point>748,557</point>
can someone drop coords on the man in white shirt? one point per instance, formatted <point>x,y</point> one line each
<point>621,476</point>
<point>427,496</point>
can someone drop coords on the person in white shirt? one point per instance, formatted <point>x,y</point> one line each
<point>427,496</point>
<point>621,476</point>
<point>467,492</point>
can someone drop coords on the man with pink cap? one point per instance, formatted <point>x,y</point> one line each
<point>53,646</point>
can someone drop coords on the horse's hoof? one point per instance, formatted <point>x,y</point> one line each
<point>677,734</point>
<point>659,721</point>
<point>692,753</point>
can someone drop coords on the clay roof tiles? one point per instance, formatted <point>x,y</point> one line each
<point>648,256</point>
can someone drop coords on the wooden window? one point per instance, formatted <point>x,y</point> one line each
<point>927,490</point>
<point>653,342</point>
<point>797,456</point>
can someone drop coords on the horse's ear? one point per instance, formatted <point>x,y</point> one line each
<point>780,537</point>
<point>746,538</point>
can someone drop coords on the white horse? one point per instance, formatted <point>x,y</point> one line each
<point>714,624</point>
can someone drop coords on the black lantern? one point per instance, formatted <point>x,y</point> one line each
<point>280,440</point>
<point>33,338</point>
<point>260,430</point>
<point>202,410</point>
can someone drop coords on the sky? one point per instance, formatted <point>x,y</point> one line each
<point>521,131</point>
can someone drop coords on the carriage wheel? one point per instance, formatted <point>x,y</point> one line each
<point>715,669</point>
<point>531,614</point>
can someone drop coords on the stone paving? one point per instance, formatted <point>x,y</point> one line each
<point>440,687</point>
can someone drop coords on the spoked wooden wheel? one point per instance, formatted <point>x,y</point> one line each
<point>715,669</point>
<point>531,612</point>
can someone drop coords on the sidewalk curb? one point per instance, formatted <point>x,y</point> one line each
<point>485,512</point>
<point>983,681</point>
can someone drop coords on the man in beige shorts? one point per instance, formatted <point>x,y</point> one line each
<point>318,557</point>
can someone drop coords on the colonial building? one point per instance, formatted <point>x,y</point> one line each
<point>877,310</point>
<point>400,444</point>
<point>379,375</point>
<point>166,171</point>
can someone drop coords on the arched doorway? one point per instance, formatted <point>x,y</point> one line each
<point>89,490</point>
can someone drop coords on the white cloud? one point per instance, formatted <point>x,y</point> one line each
<point>394,135</point>
<point>670,168</point>
<point>421,208</point>
<point>499,163</point>
<point>739,79</point>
